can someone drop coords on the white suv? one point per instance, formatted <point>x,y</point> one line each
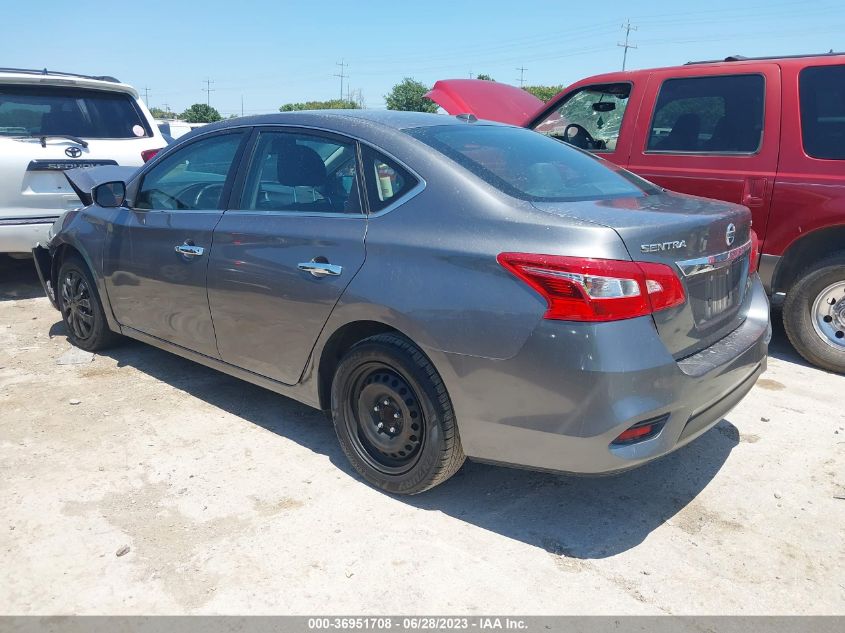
<point>50,122</point>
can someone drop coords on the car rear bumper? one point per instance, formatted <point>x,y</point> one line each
<point>19,235</point>
<point>574,387</point>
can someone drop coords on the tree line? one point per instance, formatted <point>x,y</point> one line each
<point>408,95</point>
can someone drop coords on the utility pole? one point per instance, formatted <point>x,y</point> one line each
<point>521,76</point>
<point>208,90</point>
<point>242,105</point>
<point>342,75</point>
<point>628,28</point>
<point>471,76</point>
<point>166,110</point>
<point>147,96</point>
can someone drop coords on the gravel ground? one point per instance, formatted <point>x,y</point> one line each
<point>138,482</point>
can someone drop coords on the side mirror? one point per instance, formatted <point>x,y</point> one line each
<point>110,194</point>
<point>604,106</point>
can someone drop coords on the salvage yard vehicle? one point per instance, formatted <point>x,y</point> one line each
<point>52,121</point>
<point>768,133</point>
<point>445,286</point>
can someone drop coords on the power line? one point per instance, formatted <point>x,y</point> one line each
<point>342,75</point>
<point>208,90</point>
<point>628,28</point>
<point>521,79</point>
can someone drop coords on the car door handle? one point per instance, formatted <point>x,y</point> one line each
<point>189,250</point>
<point>320,269</point>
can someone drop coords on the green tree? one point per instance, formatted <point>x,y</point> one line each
<point>200,113</point>
<point>409,95</point>
<point>158,113</point>
<point>331,104</point>
<point>543,92</point>
<point>484,77</point>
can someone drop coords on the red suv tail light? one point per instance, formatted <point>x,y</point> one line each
<point>755,253</point>
<point>585,289</point>
<point>147,154</point>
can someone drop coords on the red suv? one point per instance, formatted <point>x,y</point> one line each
<point>768,133</point>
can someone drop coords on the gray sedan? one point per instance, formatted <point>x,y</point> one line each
<point>446,287</point>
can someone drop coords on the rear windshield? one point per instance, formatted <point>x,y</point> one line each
<point>531,166</point>
<point>34,110</point>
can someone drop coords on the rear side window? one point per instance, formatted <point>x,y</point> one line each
<point>386,180</point>
<point>34,110</point>
<point>822,91</point>
<point>704,115</point>
<point>301,172</point>
<point>531,166</point>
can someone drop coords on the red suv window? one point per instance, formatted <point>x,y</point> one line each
<point>702,115</point>
<point>822,91</point>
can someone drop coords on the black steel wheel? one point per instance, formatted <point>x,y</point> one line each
<point>387,426</point>
<point>80,306</point>
<point>393,416</point>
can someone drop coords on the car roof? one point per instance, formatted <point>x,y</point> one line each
<point>71,80</point>
<point>346,119</point>
<point>734,61</point>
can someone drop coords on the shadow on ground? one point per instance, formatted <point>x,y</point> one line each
<point>18,279</point>
<point>581,518</point>
<point>780,347</point>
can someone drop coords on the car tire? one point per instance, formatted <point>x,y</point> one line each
<point>386,380</point>
<point>81,308</point>
<point>814,314</point>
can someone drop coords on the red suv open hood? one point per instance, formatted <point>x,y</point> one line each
<point>486,100</point>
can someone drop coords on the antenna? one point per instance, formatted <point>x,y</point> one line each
<point>628,28</point>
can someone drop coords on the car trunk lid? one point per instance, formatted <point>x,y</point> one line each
<point>706,243</point>
<point>486,100</point>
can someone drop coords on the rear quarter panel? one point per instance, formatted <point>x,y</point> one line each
<point>431,269</point>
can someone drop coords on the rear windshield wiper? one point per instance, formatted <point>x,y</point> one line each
<point>43,138</point>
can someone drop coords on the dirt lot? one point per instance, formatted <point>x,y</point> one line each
<point>234,500</point>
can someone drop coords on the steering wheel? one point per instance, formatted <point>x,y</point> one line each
<point>208,196</point>
<point>581,138</point>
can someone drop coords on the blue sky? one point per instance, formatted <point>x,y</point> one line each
<point>271,53</point>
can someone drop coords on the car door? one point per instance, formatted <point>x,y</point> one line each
<point>286,249</point>
<point>157,251</point>
<point>713,132</point>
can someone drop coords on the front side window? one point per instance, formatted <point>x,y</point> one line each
<point>718,115</point>
<point>293,171</point>
<point>590,118</point>
<point>822,90</point>
<point>45,110</point>
<point>531,166</point>
<point>191,178</point>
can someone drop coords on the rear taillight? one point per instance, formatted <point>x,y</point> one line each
<point>585,289</point>
<point>147,154</point>
<point>755,253</point>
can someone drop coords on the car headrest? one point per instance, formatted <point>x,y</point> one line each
<point>299,166</point>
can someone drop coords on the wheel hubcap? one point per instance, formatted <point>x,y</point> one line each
<point>829,315</point>
<point>76,305</point>
<point>388,422</point>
